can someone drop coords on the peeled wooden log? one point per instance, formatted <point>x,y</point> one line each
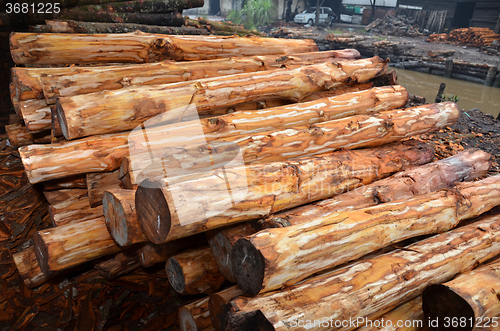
<point>221,243</point>
<point>36,115</point>
<point>468,302</point>
<point>218,301</point>
<point>407,317</point>
<point>259,190</point>
<point>120,264</point>
<point>273,258</point>
<point>195,316</point>
<point>72,244</point>
<point>369,288</point>
<point>121,219</point>
<point>98,183</point>
<point>465,166</point>
<point>194,272</point>
<point>27,81</point>
<point>152,254</point>
<point>127,108</point>
<point>78,80</point>
<point>71,205</point>
<point>424,179</point>
<point>351,132</point>
<point>28,267</point>
<point>19,136</point>
<point>77,181</point>
<point>138,47</point>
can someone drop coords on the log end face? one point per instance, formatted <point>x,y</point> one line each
<point>63,123</point>
<point>186,320</point>
<point>221,247</point>
<point>439,302</point>
<point>42,253</point>
<point>153,213</point>
<point>229,320</point>
<point>116,220</point>
<point>175,276</point>
<point>248,266</point>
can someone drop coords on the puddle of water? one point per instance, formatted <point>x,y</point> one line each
<point>471,95</point>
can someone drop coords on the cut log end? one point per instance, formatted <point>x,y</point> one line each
<point>175,275</point>
<point>42,253</point>
<point>61,120</point>
<point>152,211</point>
<point>439,302</point>
<point>116,219</point>
<point>186,320</point>
<point>248,266</point>
<point>244,321</point>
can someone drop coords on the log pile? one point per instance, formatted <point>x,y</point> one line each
<point>474,37</point>
<point>279,171</point>
<point>396,26</point>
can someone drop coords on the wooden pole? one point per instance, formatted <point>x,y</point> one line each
<point>71,205</point>
<point>469,301</point>
<point>72,244</point>
<point>165,215</point>
<point>98,183</point>
<point>274,258</point>
<point>195,316</point>
<point>370,288</point>
<point>36,115</point>
<point>138,47</point>
<point>465,166</point>
<point>194,272</point>
<point>121,219</point>
<point>127,108</point>
<point>28,267</point>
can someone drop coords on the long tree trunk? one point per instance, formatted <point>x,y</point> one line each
<point>468,302</point>
<point>28,267</point>
<point>72,244</point>
<point>80,80</point>
<point>369,288</point>
<point>424,179</point>
<point>182,209</point>
<point>274,258</point>
<point>121,219</point>
<point>464,166</point>
<point>152,254</point>
<point>71,205</point>
<point>120,264</point>
<point>195,316</point>
<point>194,272</point>
<point>98,183</point>
<point>104,153</point>
<point>218,302</point>
<point>138,47</point>
<point>127,108</point>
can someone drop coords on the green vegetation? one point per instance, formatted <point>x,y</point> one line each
<point>254,14</point>
<point>452,97</point>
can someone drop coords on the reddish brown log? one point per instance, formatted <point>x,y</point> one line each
<point>120,264</point>
<point>97,183</point>
<point>195,316</point>
<point>194,272</point>
<point>19,136</point>
<point>71,205</point>
<point>217,303</point>
<point>28,267</point>
<point>152,254</point>
<point>77,181</point>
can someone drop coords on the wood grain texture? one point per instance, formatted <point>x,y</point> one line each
<point>77,181</point>
<point>28,267</point>
<point>465,166</point>
<point>71,205</point>
<point>151,254</point>
<point>121,218</point>
<point>274,258</point>
<point>19,136</point>
<point>72,244</point>
<point>369,288</point>
<point>36,114</point>
<point>138,47</point>
<point>125,109</point>
<point>217,302</point>
<point>193,272</point>
<point>195,316</point>
<point>97,183</point>
<point>183,209</point>
<point>120,264</point>
<point>471,299</point>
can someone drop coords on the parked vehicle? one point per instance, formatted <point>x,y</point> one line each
<point>308,16</point>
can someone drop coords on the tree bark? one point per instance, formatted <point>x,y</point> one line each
<point>470,301</point>
<point>138,47</point>
<point>120,264</point>
<point>464,166</point>
<point>71,205</point>
<point>221,243</point>
<point>72,244</point>
<point>152,254</point>
<point>370,288</point>
<point>275,258</point>
<point>195,316</point>
<point>121,219</point>
<point>28,268</point>
<point>127,108</point>
<point>98,183</point>
<point>352,132</point>
<point>77,181</point>
<point>194,272</point>
<point>406,317</point>
<point>218,301</point>
<point>258,190</point>
<point>78,80</point>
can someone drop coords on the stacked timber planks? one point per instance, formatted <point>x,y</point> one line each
<point>268,170</point>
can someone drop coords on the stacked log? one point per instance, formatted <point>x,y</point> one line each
<point>474,37</point>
